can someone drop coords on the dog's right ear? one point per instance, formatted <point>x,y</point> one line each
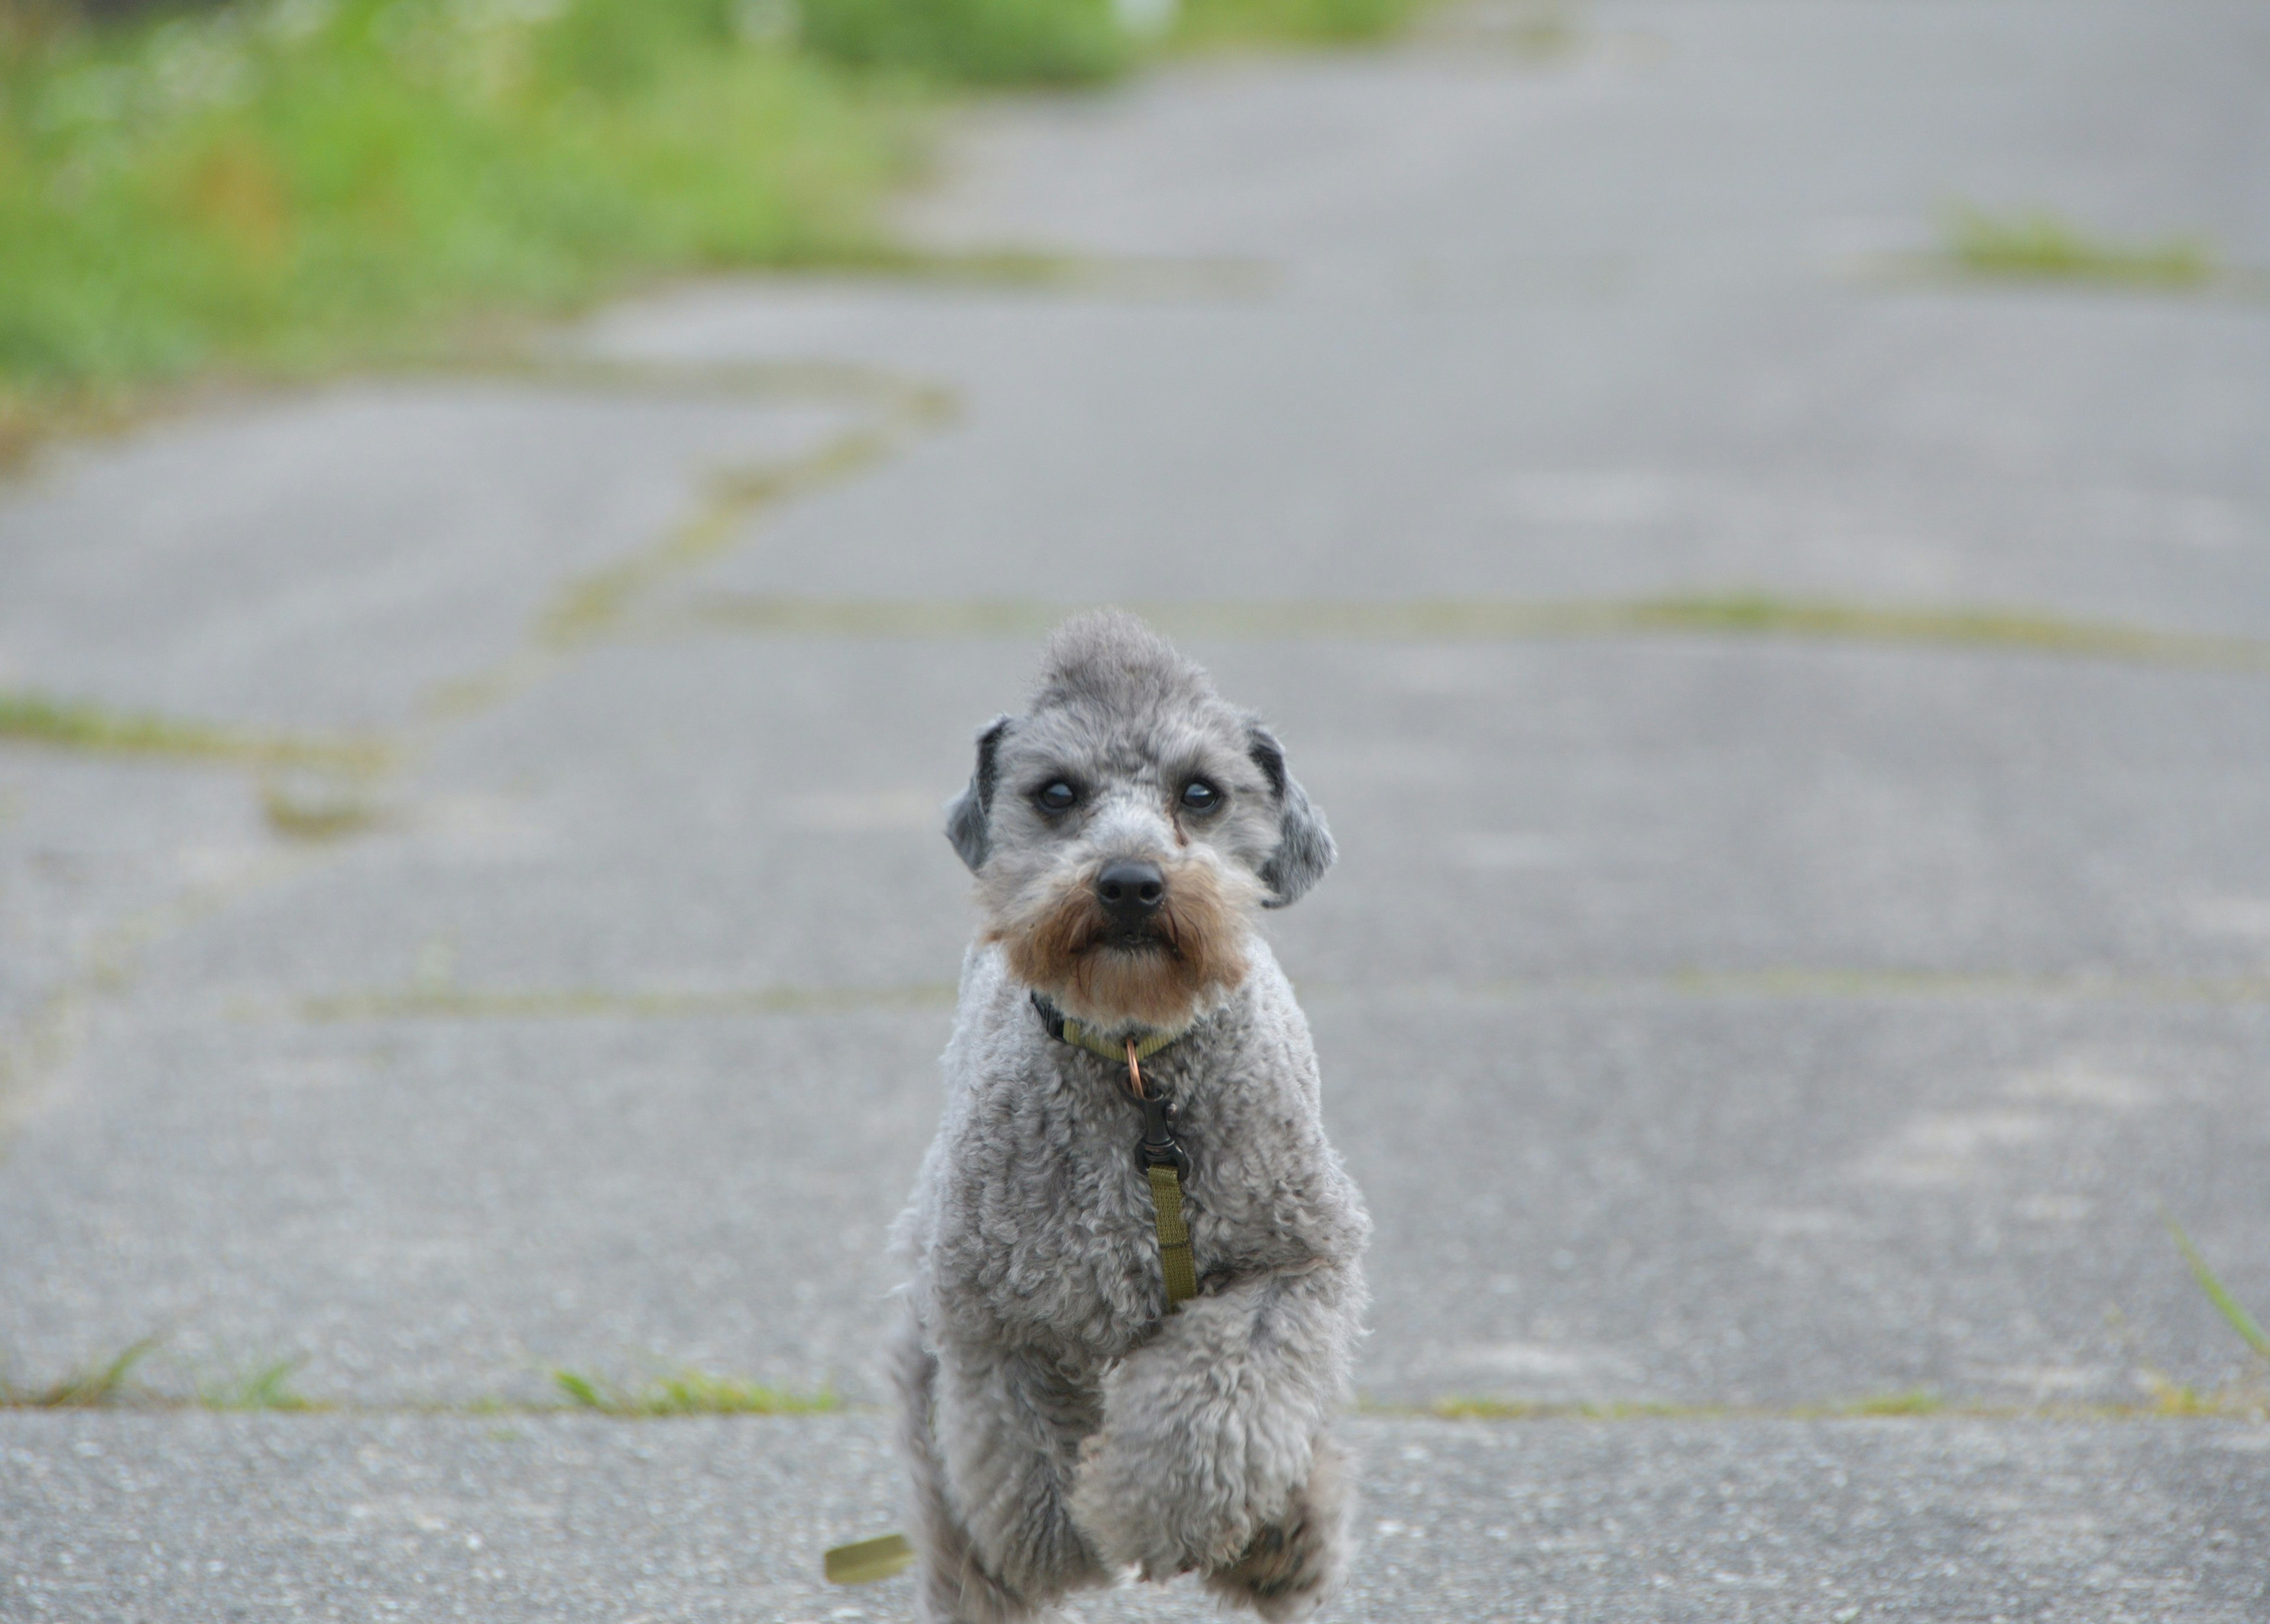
<point>968,819</point>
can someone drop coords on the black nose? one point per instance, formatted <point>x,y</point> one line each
<point>1130,892</point>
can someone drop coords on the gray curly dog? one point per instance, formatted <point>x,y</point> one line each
<point>1065,1422</point>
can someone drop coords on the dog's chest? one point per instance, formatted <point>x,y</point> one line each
<point>1048,1219</point>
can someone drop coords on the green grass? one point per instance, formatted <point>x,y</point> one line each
<point>690,1392</point>
<point>1477,1409</point>
<point>267,1387</point>
<point>1205,23</point>
<point>93,1387</point>
<point>1495,620</point>
<point>286,185</point>
<point>110,1384</point>
<point>282,187</point>
<point>75,725</point>
<point>2169,1400</point>
<point>974,42</point>
<point>2040,245</point>
<point>2234,1314</point>
<point>1914,1402</point>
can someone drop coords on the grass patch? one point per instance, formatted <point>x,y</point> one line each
<point>2179,1401</point>
<point>2233,1312</point>
<point>2167,1400</point>
<point>92,1388</point>
<point>277,188</point>
<point>690,1392</point>
<point>974,41</point>
<point>1213,23</point>
<point>269,1387</point>
<point>1497,619</point>
<point>111,1385</point>
<point>2040,245</point>
<point>283,185</point>
<point>1476,1409</point>
<point>49,720</point>
<point>1917,1401</point>
<point>75,724</point>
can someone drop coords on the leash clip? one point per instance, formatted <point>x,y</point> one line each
<point>1158,1148</point>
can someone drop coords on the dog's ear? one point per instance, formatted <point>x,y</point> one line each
<point>967,818</point>
<point>1304,845</point>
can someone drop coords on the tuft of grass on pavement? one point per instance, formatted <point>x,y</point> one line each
<point>2233,1312</point>
<point>690,1392</point>
<point>1916,1401</point>
<point>267,1387</point>
<point>2043,246</point>
<point>75,724</point>
<point>92,1388</point>
<point>1460,1408</point>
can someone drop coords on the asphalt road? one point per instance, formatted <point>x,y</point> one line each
<point>1796,717</point>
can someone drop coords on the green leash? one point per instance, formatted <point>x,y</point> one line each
<point>868,1560</point>
<point>1164,1165</point>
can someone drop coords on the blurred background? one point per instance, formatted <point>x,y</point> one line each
<point>1750,516</point>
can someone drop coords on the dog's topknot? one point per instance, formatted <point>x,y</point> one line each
<point>1109,657</point>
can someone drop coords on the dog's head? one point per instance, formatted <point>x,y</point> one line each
<point>1123,830</point>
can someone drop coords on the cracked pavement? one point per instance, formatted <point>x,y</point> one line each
<point>1735,1013</point>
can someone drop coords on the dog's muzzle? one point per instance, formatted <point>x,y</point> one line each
<point>1131,892</point>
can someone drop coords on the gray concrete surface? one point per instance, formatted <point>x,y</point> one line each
<point>1718,1016</point>
<point>333,560</point>
<point>137,1517</point>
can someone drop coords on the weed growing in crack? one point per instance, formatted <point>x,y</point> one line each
<point>75,724</point>
<point>2169,1400</point>
<point>690,1392</point>
<point>2233,1312</point>
<point>1464,1408</point>
<point>267,1388</point>
<point>2039,245</point>
<point>91,1388</point>
<point>2179,1400</point>
<point>1915,1401</point>
<point>1751,614</point>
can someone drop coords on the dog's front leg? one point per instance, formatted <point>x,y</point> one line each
<point>1008,1429</point>
<point>1210,1433</point>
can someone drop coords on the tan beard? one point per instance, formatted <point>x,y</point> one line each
<point>1193,957</point>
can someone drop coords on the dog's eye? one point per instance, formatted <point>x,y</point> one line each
<point>1059,797</point>
<point>1200,797</point>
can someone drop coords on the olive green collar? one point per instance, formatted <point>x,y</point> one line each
<point>1066,1029</point>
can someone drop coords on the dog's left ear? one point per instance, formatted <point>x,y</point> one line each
<point>1304,845</point>
<point>968,816</point>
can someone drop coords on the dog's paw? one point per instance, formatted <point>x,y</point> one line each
<point>1135,1510</point>
<point>1295,1564</point>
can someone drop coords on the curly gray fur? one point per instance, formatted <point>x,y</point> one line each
<point>1059,1426</point>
